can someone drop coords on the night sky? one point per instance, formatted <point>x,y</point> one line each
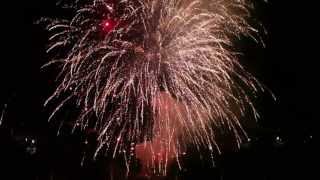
<point>282,142</point>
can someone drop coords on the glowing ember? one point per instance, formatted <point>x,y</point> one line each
<point>108,25</point>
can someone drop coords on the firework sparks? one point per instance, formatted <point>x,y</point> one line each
<point>3,114</point>
<point>157,73</point>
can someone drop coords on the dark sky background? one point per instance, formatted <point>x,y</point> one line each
<point>283,140</point>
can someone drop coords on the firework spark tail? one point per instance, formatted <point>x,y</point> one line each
<point>3,114</point>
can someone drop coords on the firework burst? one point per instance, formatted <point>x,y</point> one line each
<point>159,71</point>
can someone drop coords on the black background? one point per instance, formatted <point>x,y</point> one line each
<point>283,142</point>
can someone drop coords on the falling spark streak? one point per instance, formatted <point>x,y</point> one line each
<point>3,114</point>
<point>160,70</point>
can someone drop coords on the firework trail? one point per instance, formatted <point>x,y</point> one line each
<point>159,71</point>
<point>3,113</point>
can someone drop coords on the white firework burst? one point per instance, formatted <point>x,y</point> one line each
<point>154,70</point>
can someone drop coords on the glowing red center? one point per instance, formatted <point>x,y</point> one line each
<point>108,25</point>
